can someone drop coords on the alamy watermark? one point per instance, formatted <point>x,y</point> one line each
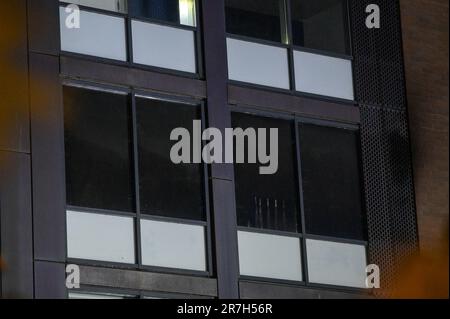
<point>262,146</point>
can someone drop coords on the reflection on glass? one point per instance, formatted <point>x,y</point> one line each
<point>321,25</point>
<point>97,148</point>
<point>331,182</point>
<point>175,11</point>
<point>110,5</point>
<point>268,201</point>
<point>167,189</point>
<point>262,19</point>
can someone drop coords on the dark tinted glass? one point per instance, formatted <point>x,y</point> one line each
<point>176,11</point>
<point>268,201</point>
<point>331,182</point>
<point>167,189</point>
<point>97,145</point>
<point>262,19</point>
<point>321,25</point>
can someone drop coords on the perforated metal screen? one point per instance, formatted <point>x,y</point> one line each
<point>380,93</point>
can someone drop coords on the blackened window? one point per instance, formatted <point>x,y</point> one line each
<point>321,25</point>
<point>167,189</point>
<point>268,201</point>
<point>331,182</point>
<point>97,146</point>
<point>262,19</point>
<point>175,11</point>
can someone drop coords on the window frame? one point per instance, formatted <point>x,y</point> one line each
<point>291,48</point>
<point>137,216</point>
<point>302,235</point>
<point>198,41</point>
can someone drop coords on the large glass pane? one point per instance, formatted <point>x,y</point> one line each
<point>110,5</point>
<point>321,25</point>
<point>172,245</point>
<point>100,237</point>
<point>331,182</point>
<point>99,35</point>
<point>268,201</point>
<point>167,189</point>
<point>176,11</point>
<point>336,263</point>
<point>97,146</point>
<point>269,256</point>
<point>262,19</point>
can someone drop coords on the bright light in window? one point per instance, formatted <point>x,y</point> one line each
<point>187,12</point>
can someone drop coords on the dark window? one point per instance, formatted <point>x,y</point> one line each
<point>268,201</point>
<point>262,19</point>
<point>331,182</point>
<point>97,146</point>
<point>175,11</point>
<point>167,189</point>
<point>321,25</point>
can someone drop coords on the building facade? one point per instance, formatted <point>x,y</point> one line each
<point>92,93</point>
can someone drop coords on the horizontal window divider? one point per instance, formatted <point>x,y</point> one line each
<point>176,271</point>
<point>95,10</point>
<point>171,98</point>
<point>335,288</point>
<point>257,41</point>
<point>95,86</point>
<point>131,64</point>
<point>269,232</point>
<point>325,98</point>
<point>94,58</point>
<point>260,87</point>
<point>322,52</point>
<point>190,75</point>
<point>89,289</point>
<point>163,23</point>
<point>336,239</point>
<point>87,210</point>
<point>328,123</point>
<point>173,220</point>
<point>103,264</point>
<point>272,281</point>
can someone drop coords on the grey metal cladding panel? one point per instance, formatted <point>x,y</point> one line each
<point>378,58</point>
<point>43,26</point>
<point>139,280</point>
<point>16,225</point>
<point>287,103</point>
<point>48,159</point>
<point>225,236</point>
<point>14,113</point>
<point>50,279</point>
<point>123,75</point>
<point>255,290</point>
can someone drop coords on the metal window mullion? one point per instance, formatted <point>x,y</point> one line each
<point>138,247</point>
<point>301,202</point>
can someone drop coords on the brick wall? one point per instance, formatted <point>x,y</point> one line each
<point>425,37</point>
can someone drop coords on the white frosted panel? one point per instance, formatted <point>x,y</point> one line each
<point>163,46</point>
<point>258,64</point>
<point>172,245</point>
<point>323,75</point>
<point>99,35</point>
<point>269,256</point>
<point>110,5</point>
<point>336,263</point>
<point>100,237</point>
